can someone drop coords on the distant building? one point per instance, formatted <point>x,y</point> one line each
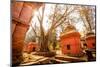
<point>91,40</point>
<point>30,47</point>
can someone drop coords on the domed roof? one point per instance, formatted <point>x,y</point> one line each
<point>90,34</point>
<point>70,28</point>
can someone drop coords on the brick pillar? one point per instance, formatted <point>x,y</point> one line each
<point>18,42</point>
<point>21,15</point>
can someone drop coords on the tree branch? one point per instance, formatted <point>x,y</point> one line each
<point>64,17</point>
<point>34,31</point>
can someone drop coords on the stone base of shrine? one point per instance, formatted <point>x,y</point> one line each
<point>46,54</point>
<point>76,55</point>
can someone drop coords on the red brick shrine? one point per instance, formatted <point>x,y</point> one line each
<point>70,41</point>
<point>91,40</point>
<point>30,47</point>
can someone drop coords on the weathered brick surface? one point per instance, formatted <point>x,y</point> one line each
<point>26,14</point>
<point>16,9</point>
<point>18,42</point>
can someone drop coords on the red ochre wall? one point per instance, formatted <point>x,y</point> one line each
<point>74,40</point>
<point>90,41</point>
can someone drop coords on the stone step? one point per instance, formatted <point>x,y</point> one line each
<point>70,59</point>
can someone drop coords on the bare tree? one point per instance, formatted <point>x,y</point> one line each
<point>58,19</point>
<point>88,15</point>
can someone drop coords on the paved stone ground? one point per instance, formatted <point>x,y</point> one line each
<point>35,59</point>
<point>58,58</point>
